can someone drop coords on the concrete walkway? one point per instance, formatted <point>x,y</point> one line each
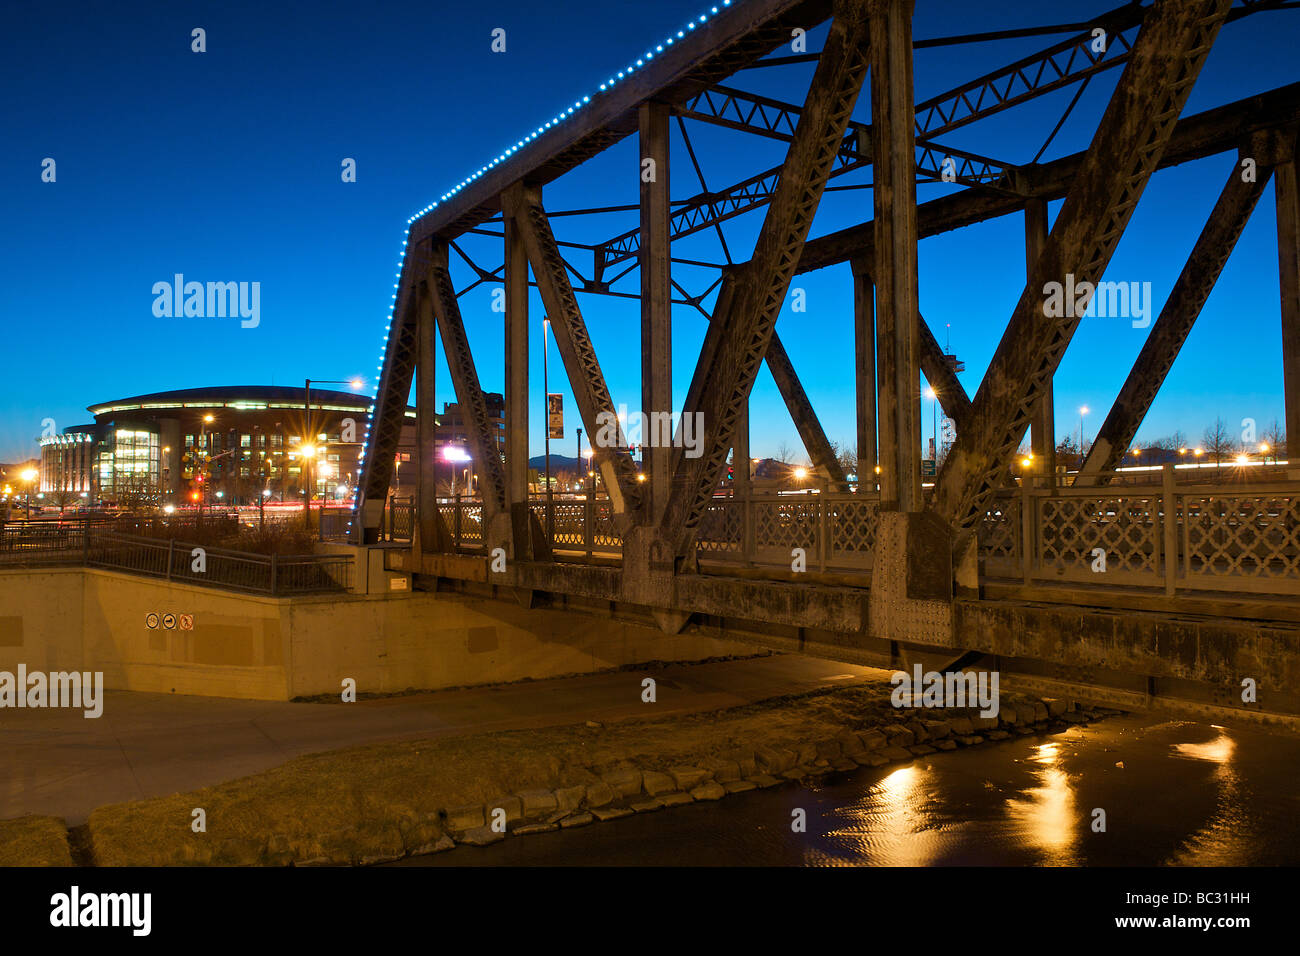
<point>145,745</point>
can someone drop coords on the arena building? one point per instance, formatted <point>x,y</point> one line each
<point>225,444</point>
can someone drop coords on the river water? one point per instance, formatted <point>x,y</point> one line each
<point>1187,794</point>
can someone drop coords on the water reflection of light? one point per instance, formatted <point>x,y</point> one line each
<point>1227,837</point>
<point>1218,750</point>
<point>893,824</point>
<point>1047,818</point>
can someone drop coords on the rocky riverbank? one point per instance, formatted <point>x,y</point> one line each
<point>383,802</point>
<point>626,791</point>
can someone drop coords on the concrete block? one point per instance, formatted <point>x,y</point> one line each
<point>899,736</point>
<point>708,791</point>
<point>624,783</point>
<point>937,729</point>
<point>481,836</point>
<point>687,778</point>
<point>723,769</point>
<point>850,744</point>
<point>460,819</point>
<point>538,803</point>
<point>775,759</point>
<point>873,740</point>
<point>656,783</point>
<point>569,799</point>
<point>599,794</point>
<point>527,829</point>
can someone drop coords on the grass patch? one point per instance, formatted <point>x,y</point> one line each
<point>34,841</point>
<point>384,799</point>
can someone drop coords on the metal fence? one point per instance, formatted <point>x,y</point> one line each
<point>1171,537</point>
<point>85,544</point>
<point>1239,538</point>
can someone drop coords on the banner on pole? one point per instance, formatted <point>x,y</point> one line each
<point>555,415</point>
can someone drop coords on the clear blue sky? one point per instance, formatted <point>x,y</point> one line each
<point>225,166</point>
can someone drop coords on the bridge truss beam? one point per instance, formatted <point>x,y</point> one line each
<point>1191,290</point>
<point>1126,150</point>
<point>464,376</point>
<point>747,324</point>
<point>577,352</point>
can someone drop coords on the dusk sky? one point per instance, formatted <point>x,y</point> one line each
<point>225,166</point>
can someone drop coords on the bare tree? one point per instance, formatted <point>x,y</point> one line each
<point>784,453</point>
<point>1275,438</point>
<point>1216,441</point>
<point>1067,452</point>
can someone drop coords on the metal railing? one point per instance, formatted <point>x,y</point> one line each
<point>172,560</point>
<point>88,545</point>
<point>1171,536</point>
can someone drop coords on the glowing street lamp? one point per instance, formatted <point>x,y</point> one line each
<point>29,475</point>
<point>1083,410</point>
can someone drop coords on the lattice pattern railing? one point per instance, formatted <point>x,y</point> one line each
<point>785,524</point>
<point>1204,538</point>
<point>852,523</point>
<point>1074,534</point>
<point>1255,537</point>
<point>1201,537</point>
<point>722,528</point>
<point>999,538</point>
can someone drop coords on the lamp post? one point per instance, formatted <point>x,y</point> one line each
<point>203,475</point>
<point>546,396</point>
<point>1083,410</point>
<point>934,423</point>
<point>29,476</point>
<point>309,435</point>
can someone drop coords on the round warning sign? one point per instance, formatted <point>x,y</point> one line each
<point>187,622</point>
<point>151,621</point>
<point>169,621</point>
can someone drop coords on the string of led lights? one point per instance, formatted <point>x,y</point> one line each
<point>562,117</point>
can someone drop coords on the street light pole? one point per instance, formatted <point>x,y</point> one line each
<point>1082,411</point>
<point>546,387</point>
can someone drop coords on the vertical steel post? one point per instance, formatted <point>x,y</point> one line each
<point>893,117</point>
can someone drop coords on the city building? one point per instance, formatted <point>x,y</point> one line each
<point>220,445</point>
<point>452,429</point>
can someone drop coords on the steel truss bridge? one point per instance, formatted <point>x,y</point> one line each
<point>1202,590</point>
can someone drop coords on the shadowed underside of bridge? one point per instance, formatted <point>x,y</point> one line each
<point>1203,582</point>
